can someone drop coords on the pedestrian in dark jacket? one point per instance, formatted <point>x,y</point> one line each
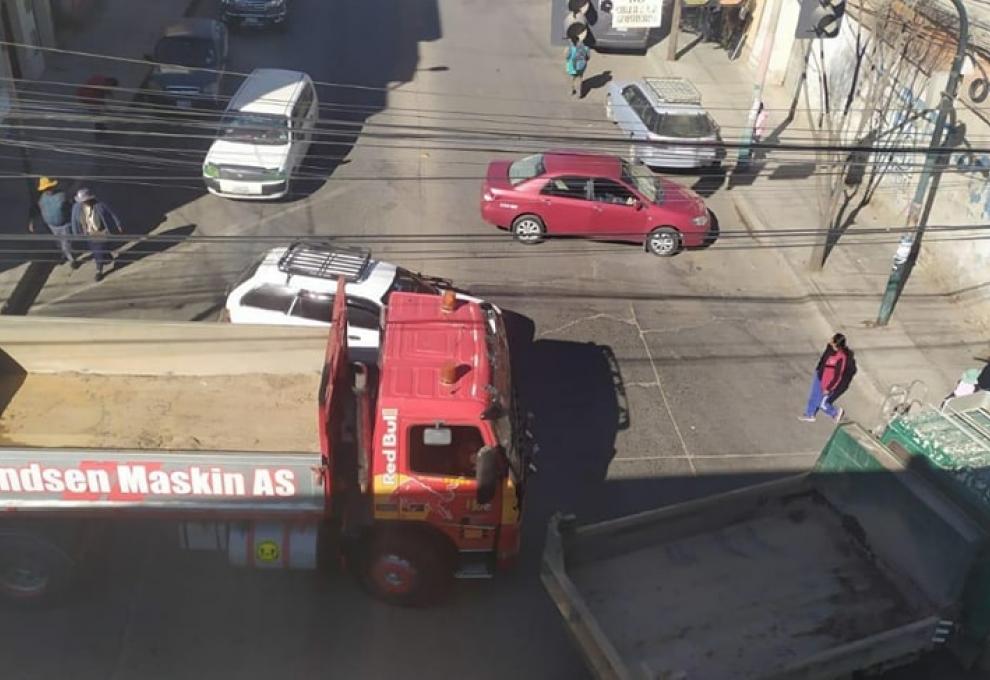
<point>55,210</point>
<point>95,220</point>
<point>832,374</point>
<point>93,95</point>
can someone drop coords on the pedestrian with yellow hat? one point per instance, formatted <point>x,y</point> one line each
<point>55,210</point>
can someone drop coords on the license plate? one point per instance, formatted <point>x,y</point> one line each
<point>238,188</point>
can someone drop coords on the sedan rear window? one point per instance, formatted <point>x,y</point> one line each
<point>526,168</point>
<point>186,51</point>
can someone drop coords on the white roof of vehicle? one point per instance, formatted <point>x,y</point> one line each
<point>371,286</point>
<point>268,90</point>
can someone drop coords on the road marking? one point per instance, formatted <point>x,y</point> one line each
<point>663,392</point>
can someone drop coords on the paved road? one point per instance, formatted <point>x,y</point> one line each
<point>652,381</point>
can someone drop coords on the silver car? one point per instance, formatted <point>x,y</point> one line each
<point>666,115</point>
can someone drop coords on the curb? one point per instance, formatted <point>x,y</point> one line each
<point>749,215</point>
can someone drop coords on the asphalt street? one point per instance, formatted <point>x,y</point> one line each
<point>651,381</point>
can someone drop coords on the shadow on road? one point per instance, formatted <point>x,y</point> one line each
<point>152,245</point>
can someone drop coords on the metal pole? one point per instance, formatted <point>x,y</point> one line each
<point>745,151</point>
<point>675,30</point>
<point>931,175</point>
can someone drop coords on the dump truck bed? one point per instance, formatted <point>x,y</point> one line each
<point>190,387</point>
<point>789,579</point>
<point>782,586</point>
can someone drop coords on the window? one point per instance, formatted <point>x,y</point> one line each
<point>254,128</point>
<point>301,110</point>
<point>186,51</point>
<point>272,298</point>
<point>526,168</point>
<point>608,191</point>
<point>645,182</point>
<point>408,282</point>
<point>685,125</point>
<point>637,101</point>
<point>456,459</point>
<point>313,307</point>
<point>566,187</point>
<point>361,316</point>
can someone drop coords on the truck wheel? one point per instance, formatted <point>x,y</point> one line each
<point>33,571</point>
<point>408,569</point>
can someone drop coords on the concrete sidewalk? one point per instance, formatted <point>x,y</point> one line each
<point>117,28</point>
<point>934,334</point>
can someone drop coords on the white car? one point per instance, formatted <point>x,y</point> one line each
<point>295,285</point>
<point>264,136</point>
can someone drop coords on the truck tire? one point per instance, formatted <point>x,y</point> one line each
<point>408,568</point>
<point>33,570</point>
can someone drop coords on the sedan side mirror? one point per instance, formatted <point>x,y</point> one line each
<point>486,471</point>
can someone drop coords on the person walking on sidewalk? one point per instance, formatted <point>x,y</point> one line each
<point>830,376</point>
<point>576,61</point>
<point>55,210</point>
<point>95,220</point>
<point>93,95</point>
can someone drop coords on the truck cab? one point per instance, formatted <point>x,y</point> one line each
<point>442,452</point>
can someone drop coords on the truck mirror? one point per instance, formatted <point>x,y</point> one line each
<point>437,436</point>
<point>486,469</point>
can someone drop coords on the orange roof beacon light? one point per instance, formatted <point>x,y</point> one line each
<point>448,300</point>
<point>448,374</point>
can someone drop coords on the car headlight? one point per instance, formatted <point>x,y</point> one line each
<point>700,220</point>
<point>275,174</point>
<point>211,170</point>
<point>272,4</point>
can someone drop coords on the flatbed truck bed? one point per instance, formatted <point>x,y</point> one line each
<point>184,387</point>
<point>245,412</point>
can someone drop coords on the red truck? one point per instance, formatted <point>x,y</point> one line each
<point>412,474</point>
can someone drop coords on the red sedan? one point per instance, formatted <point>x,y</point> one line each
<point>592,195</point>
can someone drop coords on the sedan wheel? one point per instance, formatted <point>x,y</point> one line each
<point>528,229</point>
<point>664,241</point>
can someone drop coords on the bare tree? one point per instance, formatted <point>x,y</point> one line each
<point>871,105</point>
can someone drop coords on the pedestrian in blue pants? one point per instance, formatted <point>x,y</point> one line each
<point>831,375</point>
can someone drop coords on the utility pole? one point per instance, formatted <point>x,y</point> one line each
<point>745,151</point>
<point>931,174</point>
<point>675,30</point>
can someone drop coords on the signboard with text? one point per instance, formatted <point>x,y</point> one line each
<point>165,481</point>
<point>637,13</point>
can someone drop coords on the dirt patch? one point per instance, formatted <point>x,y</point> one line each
<point>235,412</point>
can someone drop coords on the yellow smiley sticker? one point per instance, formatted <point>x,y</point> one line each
<point>267,551</point>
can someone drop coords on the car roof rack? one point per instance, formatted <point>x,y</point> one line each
<point>674,90</point>
<point>323,260</point>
